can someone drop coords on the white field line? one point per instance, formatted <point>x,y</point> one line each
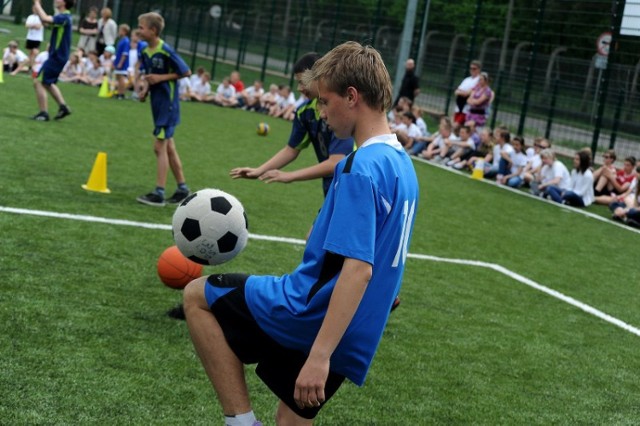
<point>500,269</point>
<point>526,194</point>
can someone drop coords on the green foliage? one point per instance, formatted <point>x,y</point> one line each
<point>86,339</point>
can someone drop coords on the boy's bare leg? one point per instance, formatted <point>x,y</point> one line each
<point>224,369</point>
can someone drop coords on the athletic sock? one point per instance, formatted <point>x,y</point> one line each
<point>160,191</point>
<point>246,419</point>
<point>183,187</point>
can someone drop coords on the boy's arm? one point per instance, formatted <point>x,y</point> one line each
<point>159,78</point>
<point>319,170</point>
<point>41,13</point>
<point>346,297</point>
<point>283,157</point>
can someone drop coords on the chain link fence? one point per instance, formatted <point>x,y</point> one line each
<point>564,69</point>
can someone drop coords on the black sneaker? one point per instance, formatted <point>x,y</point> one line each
<point>176,313</point>
<point>396,303</point>
<point>178,196</point>
<point>152,199</point>
<point>633,223</point>
<point>62,113</point>
<point>41,116</point>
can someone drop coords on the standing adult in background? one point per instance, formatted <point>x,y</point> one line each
<point>35,35</point>
<point>88,30</point>
<point>107,31</point>
<point>59,50</point>
<point>410,86</point>
<point>464,89</point>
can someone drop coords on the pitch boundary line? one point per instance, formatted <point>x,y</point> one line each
<point>495,267</point>
<point>526,194</point>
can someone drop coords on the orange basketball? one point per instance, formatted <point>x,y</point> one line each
<point>175,270</point>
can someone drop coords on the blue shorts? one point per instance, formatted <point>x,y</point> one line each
<point>164,132</point>
<point>49,72</point>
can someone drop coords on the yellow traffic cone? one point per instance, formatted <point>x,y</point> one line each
<point>98,178</point>
<point>104,92</point>
<point>2,72</point>
<point>478,170</point>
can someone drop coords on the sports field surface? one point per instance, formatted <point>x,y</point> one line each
<point>514,310</point>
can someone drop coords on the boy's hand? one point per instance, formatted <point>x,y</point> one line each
<point>142,89</point>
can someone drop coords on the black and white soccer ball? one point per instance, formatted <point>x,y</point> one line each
<point>210,227</point>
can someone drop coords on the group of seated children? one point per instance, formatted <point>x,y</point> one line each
<point>513,164</point>
<point>279,101</point>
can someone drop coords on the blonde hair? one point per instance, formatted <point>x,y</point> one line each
<point>153,20</point>
<point>354,65</point>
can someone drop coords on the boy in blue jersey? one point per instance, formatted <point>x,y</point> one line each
<point>308,129</point>
<point>310,329</point>
<point>121,64</point>
<point>163,68</point>
<point>59,51</point>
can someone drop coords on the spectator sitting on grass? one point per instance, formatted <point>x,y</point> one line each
<point>484,150</point>
<point>628,211</point>
<point>269,99</point>
<point>460,148</point>
<point>518,160</point>
<point>249,98</point>
<point>13,58</point>
<point>409,132</point>
<point>553,173</point>
<point>225,94</point>
<point>611,181</point>
<point>93,72</point>
<point>497,163</point>
<point>73,71</point>
<point>534,162</point>
<point>285,104</point>
<point>201,90</point>
<point>580,191</point>
<point>437,141</point>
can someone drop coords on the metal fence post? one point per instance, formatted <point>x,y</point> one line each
<point>180,17</point>
<point>552,109</point>
<point>617,8</point>
<point>532,62</point>
<point>616,121</point>
<point>266,49</point>
<point>195,40</point>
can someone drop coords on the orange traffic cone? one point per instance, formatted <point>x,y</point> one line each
<point>98,178</point>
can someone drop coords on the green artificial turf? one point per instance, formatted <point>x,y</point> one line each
<point>86,339</point>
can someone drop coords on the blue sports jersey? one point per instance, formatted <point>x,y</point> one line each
<point>141,46</point>
<point>165,101</point>
<point>367,215</point>
<point>309,128</point>
<point>60,46</point>
<point>124,45</point>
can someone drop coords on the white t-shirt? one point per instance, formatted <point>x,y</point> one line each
<point>518,160</point>
<point>582,185</point>
<point>200,88</point>
<point>226,92</point>
<point>94,72</point>
<point>422,126</point>
<point>20,56</point>
<point>133,60</point>
<point>32,33</point>
<point>252,92</point>
<point>40,59</point>
<point>497,150</point>
<point>413,131</point>
<point>556,170</point>
<point>184,84</point>
<point>469,83</point>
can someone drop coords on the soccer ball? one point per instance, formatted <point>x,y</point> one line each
<point>210,227</point>
<point>263,129</point>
